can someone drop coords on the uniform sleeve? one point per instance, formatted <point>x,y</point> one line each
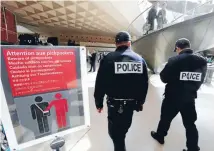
<point>167,73</point>
<point>100,85</point>
<point>145,82</point>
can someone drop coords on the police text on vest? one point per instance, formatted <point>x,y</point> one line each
<point>128,67</point>
<point>190,76</point>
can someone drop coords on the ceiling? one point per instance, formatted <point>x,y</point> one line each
<point>76,16</point>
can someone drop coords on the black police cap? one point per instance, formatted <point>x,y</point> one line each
<point>122,36</point>
<point>182,43</point>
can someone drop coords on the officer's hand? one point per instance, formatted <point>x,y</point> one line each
<point>99,110</point>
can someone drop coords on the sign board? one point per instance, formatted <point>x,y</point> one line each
<point>8,26</point>
<point>43,92</point>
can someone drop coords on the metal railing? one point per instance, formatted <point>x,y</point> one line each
<point>138,17</point>
<point>171,22</point>
<point>191,10</point>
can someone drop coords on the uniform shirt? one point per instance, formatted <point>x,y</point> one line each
<point>122,75</point>
<point>184,75</point>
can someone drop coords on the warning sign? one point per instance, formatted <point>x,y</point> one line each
<point>35,71</point>
<point>43,92</point>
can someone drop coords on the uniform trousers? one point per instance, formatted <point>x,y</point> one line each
<point>119,123</point>
<point>170,108</point>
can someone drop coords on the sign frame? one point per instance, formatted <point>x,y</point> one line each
<point>5,115</point>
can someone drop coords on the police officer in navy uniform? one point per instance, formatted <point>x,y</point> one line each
<point>123,77</point>
<point>183,75</point>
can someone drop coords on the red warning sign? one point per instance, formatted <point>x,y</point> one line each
<point>33,71</point>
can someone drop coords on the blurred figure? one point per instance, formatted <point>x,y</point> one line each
<point>88,57</point>
<point>70,42</point>
<point>152,15</point>
<point>93,61</point>
<point>100,57</point>
<point>36,35</point>
<point>161,17</point>
<point>28,39</point>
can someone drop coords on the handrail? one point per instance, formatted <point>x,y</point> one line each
<point>172,21</point>
<point>137,17</point>
<point>191,10</point>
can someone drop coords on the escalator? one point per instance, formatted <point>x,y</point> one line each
<point>157,47</point>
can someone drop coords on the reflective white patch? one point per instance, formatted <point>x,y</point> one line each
<point>128,67</point>
<point>190,76</point>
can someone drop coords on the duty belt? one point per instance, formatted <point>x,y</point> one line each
<point>121,103</point>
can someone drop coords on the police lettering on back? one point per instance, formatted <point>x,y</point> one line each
<point>128,67</point>
<point>190,76</point>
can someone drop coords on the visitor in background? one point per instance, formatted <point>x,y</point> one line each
<point>100,57</point>
<point>152,15</point>
<point>161,17</point>
<point>93,61</point>
<point>71,42</point>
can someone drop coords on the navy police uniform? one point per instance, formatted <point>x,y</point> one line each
<point>123,77</point>
<point>183,75</point>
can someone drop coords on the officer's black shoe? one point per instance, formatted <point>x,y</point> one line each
<point>157,137</point>
<point>191,150</point>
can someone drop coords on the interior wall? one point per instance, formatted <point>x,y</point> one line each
<point>85,38</point>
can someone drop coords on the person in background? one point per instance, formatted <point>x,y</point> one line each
<point>161,17</point>
<point>70,43</point>
<point>88,57</point>
<point>152,15</point>
<point>28,39</point>
<point>93,61</point>
<point>100,57</point>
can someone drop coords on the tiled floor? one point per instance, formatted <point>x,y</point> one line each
<point>138,137</point>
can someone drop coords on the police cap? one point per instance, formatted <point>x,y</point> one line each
<point>122,36</point>
<point>182,43</point>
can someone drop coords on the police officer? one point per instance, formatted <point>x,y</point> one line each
<point>123,77</point>
<point>183,75</point>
